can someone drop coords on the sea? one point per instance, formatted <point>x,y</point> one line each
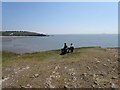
<point>54,42</point>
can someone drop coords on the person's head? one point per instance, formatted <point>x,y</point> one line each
<point>65,44</point>
<point>71,43</point>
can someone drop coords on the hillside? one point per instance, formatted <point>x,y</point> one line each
<point>84,68</point>
<point>20,33</point>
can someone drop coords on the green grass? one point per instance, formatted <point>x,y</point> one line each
<point>10,57</point>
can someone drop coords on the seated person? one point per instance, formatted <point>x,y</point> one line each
<point>64,50</point>
<point>71,47</point>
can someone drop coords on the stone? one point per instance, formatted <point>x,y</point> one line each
<point>95,82</point>
<point>108,60</point>
<point>36,75</point>
<point>53,72</point>
<point>57,67</point>
<point>95,58</point>
<point>113,85</point>
<point>51,86</point>
<point>93,86</point>
<point>74,78</point>
<point>114,77</point>
<point>22,86</point>
<point>88,67</point>
<point>98,61</point>
<point>5,79</point>
<point>72,69</point>
<point>28,85</point>
<point>58,76</point>
<point>95,66</point>
<point>65,67</point>
<point>72,74</point>
<point>66,86</point>
<point>94,75</point>
<point>69,80</point>
<point>104,64</point>
<point>85,74</point>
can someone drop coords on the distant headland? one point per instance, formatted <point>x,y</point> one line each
<point>20,33</point>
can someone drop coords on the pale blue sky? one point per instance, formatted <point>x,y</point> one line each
<point>61,17</point>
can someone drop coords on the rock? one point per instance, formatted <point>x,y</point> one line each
<point>85,74</point>
<point>58,76</point>
<point>72,69</point>
<point>93,86</point>
<point>5,79</point>
<point>28,85</point>
<point>66,86</point>
<point>36,75</point>
<point>53,72</point>
<point>74,78</point>
<point>108,60</point>
<point>65,67</point>
<point>95,58</point>
<point>116,55</point>
<point>52,76</point>
<point>72,74</point>
<point>95,82</point>
<point>23,86</point>
<point>94,75</point>
<point>114,77</point>
<point>95,66</point>
<point>48,81</point>
<point>57,67</point>
<point>65,79</point>
<point>69,80</point>
<point>16,72</point>
<point>98,61</point>
<point>51,86</point>
<point>113,85</point>
<point>101,74</point>
<point>88,67</point>
<point>104,64</point>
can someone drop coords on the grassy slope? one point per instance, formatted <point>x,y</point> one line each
<point>79,60</point>
<point>9,57</point>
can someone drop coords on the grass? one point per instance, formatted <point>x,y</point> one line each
<point>10,57</point>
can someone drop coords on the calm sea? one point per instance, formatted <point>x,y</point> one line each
<point>35,44</point>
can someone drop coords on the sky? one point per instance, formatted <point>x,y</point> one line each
<point>61,17</point>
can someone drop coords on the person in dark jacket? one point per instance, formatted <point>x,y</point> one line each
<point>64,50</point>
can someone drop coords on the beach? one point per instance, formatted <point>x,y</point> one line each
<point>89,67</point>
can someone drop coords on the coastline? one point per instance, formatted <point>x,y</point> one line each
<point>19,36</point>
<point>14,36</point>
<point>59,50</point>
<point>22,36</point>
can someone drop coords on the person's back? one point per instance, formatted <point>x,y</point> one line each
<point>64,50</point>
<point>65,46</point>
<point>71,47</point>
